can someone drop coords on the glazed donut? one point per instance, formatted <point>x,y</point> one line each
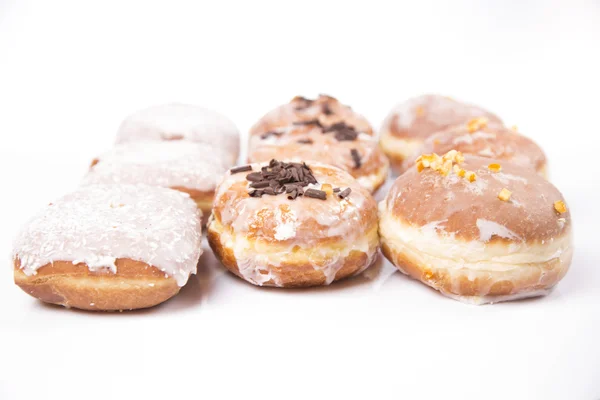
<point>194,168</point>
<point>410,123</point>
<point>292,224</point>
<point>478,137</point>
<point>339,145</point>
<point>477,229</point>
<point>109,247</point>
<point>177,121</point>
<point>325,109</point>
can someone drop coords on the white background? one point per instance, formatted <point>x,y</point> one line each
<point>69,72</point>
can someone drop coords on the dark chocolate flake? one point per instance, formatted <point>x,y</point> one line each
<point>305,141</point>
<point>259,185</point>
<point>335,190</point>
<point>267,135</point>
<point>281,177</point>
<point>308,122</point>
<point>355,158</point>
<point>242,168</point>
<point>345,193</point>
<point>254,177</point>
<point>315,194</point>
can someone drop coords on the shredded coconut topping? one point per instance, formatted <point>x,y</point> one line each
<point>97,224</point>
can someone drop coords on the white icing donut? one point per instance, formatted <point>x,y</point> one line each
<point>99,224</point>
<point>182,122</point>
<point>168,164</point>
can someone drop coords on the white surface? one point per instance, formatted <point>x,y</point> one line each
<point>70,72</point>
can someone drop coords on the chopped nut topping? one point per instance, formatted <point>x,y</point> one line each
<point>476,124</point>
<point>560,206</point>
<point>495,167</point>
<point>504,194</point>
<point>326,187</point>
<point>514,128</point>
<point>470,175</point>
<point>420,111</point>
<point>444,165</point>
<point>436,141</point>
<point>428,275</point>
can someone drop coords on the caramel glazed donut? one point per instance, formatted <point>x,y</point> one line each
<point>410,123</point>
<point>185,122</point>
<point>292,224</point>
<point>339,145</point>
<point>193,168</point>
<point>478,230</point>
<point>481,138</point>
<point>109,247</point>
<point>325,109</point>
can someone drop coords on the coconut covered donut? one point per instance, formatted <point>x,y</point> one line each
<point>339,145</point>
<point>478,137</point>
<point>326,110</point>
<point>194,168</point>
<point>292,224</point>
<point>410,123</point>
<point>109,247</point>
<point>183,122</point>
<point>477,229</point>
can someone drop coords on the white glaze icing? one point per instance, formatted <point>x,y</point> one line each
<point>182,121</point>
<point>97,224</point>
<point>160,163</point>
<point>489,229</point>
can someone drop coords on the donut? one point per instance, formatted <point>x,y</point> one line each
<point>478,137</point>
<point>410,123</point>
<point>293,224</point>
<point>109,247</point>
<point>478,230</point>
<point>325,109</point>
<point>186,122</point>
<point>193,168</point>
<point>339,145</point>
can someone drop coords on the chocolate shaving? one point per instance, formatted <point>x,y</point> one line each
<point>266,135</point>
<point>305,141</point>
<point>308,122</point>
<point>335,190</point>
<point>241,168</point>
<point>305,103</point>
<point>345,193</point>
<point>315,194</point>
<point>355,158</point>
<point>342,131</point>
<point>281,177</point>
<point>254,177</point>
<point>259,185</point>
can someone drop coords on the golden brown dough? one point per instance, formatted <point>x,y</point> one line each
<point>135,285</point>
